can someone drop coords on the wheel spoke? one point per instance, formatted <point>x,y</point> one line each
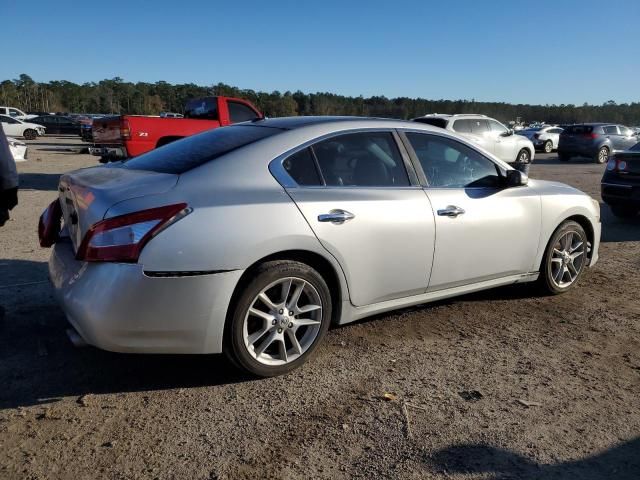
<point>267,301</point>
<point>573,273</point>
<point>294,341</point>
<point>286,288</point>
<point>559,260</point>
<point>266,342</point>
<point>283,350</point>
<point>559,274</point>
<point>309,308</point>
<point>573,248</point>
<point>301,322</point>
<point>293,303</point>
<point>576,255</point>
<point>254,337</point>
<point>267,317</point>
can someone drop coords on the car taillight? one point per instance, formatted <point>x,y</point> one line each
<point>617,165</point>
<point>125,130</point>
<point>122,238</point>
<point>591,136</point>
<point>49,224</point>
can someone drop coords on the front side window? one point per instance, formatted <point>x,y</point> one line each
<point>14,113</point>
<point>240,113</point>
<point>302,168</point>
<point>450,164</point>
<point>369,159</point>
<point>625,131</point>
<point>479,127</point>
<point>6,119</point>
<point>497,127</point>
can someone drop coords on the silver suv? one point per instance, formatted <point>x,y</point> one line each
<point>488,133</point>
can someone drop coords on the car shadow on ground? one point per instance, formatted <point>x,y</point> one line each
<point>39,181</point>
<point>39,365</point>
<point>616,229</point>
<point>621,462</point>
<point>552,159</point>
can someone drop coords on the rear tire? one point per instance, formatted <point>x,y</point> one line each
<point>548,146</point>
<point>274,337</point>
<point>602,156</point>
<point>30,134</point>
<point>564,258</point>
<point>624,211</point>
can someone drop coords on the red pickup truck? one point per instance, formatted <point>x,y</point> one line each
<point>125,136</point>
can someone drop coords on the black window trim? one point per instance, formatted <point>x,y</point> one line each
<point>418,166</point>
<point>242,104</point>
<point>277,169</point>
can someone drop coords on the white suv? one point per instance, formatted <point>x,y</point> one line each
<point>488,133</point>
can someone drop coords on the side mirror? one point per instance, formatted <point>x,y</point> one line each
<point>515,178</point>
<point>508,133</point>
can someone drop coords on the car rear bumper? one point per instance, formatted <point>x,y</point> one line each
<point>120,308</point>
<point>108,152</point>
<point>616,192</point>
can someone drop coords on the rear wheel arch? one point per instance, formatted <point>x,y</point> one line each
<point>314,260</point>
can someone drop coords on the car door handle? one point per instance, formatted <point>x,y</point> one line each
<point>451,211</point>
<point>336,216</point>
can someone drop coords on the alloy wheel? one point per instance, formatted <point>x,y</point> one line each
<point>567,259</point>
<point>523,157</point>
<point>548,146</point>
<point>603,155</point>
<point>283,321</point>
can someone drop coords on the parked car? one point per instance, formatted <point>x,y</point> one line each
<point>545,138</point>
<point>171,115</point>
<point>58,124</point>
<point>252,239</point>
<point>15,113</point>
<point>488,133</point>
<point>594,140</point>
<point>620,187</point>
<point>127,136</point>
<point>18,149</point>
<point>18,128</point>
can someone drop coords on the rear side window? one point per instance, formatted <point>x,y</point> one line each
<point>578,129</point>
<point>436,122</point>
<point>462,126</point>
<point>369,159</point>
<point>302,168</point>
<point>240,113</point>
<point>183,155</point>
<point>205,108</point>
<point>611,130</point>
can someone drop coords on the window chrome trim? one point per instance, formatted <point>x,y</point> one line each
<point>278,171</point>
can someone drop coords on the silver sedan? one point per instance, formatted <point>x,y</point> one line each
<point>253,239</point>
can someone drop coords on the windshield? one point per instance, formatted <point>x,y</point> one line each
<point>636,147</point>
<point>191,152</point>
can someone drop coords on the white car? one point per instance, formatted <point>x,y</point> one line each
<point>15,113</point>
<point>544,138</point>
<point>18,149</point>
<point>17,128</point>
<point>487,133</point>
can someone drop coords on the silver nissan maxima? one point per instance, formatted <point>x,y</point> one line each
<point>253,239</point>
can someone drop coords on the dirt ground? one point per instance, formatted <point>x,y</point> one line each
<point>499,384</point>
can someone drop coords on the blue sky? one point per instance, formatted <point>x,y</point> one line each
<point>536,51</point>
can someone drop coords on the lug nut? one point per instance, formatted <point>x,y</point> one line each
<point>291,325</point>
<point>291,314</point>
<point>279,330</point>
<point>274,321</point>
<point>281,311</point>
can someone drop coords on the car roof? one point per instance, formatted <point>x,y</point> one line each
<point>293,123</point>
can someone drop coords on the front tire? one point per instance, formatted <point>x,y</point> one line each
<point>548,146</point>
<point>279,319</point>
<point>602,156</point>
<point>564,259</point>
<point>30,134</point>
<point>524,156</point>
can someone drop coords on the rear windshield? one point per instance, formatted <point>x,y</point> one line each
<point>183,155</point>
<point>436,122</point>
<point>578,129</point>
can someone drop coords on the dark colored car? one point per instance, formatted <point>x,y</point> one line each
<point>58,124</point>
<point>620,187</point>
<point>594,140</point>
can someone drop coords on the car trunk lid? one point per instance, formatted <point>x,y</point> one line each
<point>86,195</point>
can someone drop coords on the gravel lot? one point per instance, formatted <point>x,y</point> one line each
<point>500,384</point>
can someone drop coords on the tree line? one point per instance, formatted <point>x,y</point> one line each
<point>116,96</point>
